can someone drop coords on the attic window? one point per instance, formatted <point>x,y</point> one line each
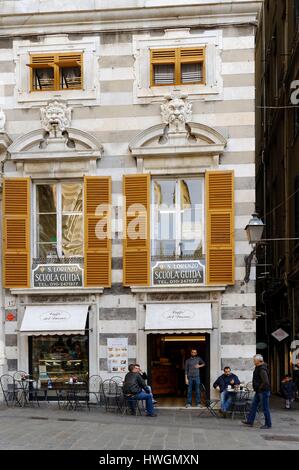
<point>178,66</point>
<point>52,72</point>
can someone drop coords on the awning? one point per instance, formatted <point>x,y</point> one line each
<point>54,320</point>
<point>179,317</point>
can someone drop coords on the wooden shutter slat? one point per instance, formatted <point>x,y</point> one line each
<point>97,251</point>
<point>220,227</point>
<point>136,250</point>
<point>16,232</point>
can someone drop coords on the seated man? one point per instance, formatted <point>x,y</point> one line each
<point>144,376</point>
<point>134,388</point>
<point>222,383</point>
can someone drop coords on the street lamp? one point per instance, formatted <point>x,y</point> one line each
<point>254,230</point>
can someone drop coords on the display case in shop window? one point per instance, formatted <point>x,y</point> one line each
<point>60,370</point>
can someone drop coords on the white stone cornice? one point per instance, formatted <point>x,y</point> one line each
<point>28,147</point>
<point>5,141</point>
<point>207,141</point>
<point>23,17</point>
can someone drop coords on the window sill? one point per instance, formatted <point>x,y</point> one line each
<point>57,291</point>
<point>172,289</point>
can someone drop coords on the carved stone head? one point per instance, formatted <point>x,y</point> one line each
<point>176,112</point>
<point>56,118</point>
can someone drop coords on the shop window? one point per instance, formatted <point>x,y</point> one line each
<point>59,220</point>
<point>55,359</point>
<point>52,72</point>
<point>178,66</point>
<point>177,250</point>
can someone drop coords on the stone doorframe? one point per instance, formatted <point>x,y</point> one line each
<point>145,296</point>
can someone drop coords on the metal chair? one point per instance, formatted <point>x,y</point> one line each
<point>95,387</point>
<point>112,394</point>
<point>240,404</point>
<point>209,404</point>
<point>8,389</point>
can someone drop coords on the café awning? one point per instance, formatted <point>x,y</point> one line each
<point>54,320</point>
<point>178,317</point>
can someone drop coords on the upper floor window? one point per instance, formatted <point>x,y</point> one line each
<point>178,66</point>
<point>59,219</point>
<point>53,72</point>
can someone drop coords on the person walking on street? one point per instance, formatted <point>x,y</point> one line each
<point>192,377</point>
<point>262,388</point>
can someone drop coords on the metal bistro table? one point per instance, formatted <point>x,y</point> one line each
<point>70,395</point>
<point>27,392</point>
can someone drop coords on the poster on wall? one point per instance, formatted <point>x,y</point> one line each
<point>117,354</point>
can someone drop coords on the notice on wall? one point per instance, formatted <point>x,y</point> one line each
<point>117,354</point>
<point>58,275</point>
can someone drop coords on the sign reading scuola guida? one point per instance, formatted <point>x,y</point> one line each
<point>58,275</point>
<point>178,272</point>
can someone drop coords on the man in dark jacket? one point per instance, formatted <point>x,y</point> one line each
<point>226,380</point>
<point>134,388</point>
<point>262,388</point>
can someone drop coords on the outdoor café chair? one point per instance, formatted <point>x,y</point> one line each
<point>95,386</point>
<point>8,389</point>
<point>209,405</point>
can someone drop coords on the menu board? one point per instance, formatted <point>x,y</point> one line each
<point>117,354</point>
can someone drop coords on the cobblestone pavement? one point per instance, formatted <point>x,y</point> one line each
<point>48,427</point>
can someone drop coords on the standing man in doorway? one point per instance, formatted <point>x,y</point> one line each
<point>192,377</point>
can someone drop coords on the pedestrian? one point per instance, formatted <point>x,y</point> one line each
<point>192,377</point>
<point>288,391</point>
<point>262,388</point>
<point>222,384</point>
<point>134,388</point>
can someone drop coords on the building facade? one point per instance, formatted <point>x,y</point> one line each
<point>128,176</point>
<point>277,181</point>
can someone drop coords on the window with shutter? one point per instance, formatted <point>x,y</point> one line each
<point>180,66</point>
<point>97,239</point>
<point>16,233</point>
<point>220,227</point>
<point>52,72</point>
<point>136,245</point>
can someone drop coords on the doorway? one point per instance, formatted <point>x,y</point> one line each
<point>167,354</point>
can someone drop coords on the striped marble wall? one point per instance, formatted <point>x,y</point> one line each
<point>114,121</point>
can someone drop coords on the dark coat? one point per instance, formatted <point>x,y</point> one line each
<point>288,390</point>
<point>224,380</point>
<point>261,379</point>
<point>133,383</point>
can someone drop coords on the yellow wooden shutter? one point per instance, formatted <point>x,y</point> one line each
<point>136,245</point>
<point>97,232</point>
<point>220,227</point>
<point>16,233</point>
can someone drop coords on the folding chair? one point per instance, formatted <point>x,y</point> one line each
<point>209,404</point>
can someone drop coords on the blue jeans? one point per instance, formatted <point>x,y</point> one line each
<point>260,399</point>
<point>147,397</point>
<point>226,400</point>
<point>196,382</point>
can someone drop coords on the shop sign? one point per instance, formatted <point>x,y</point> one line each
<point>280,334</point>
<point>167,273</point>
<point>10,315</point>
<point>58,275</point>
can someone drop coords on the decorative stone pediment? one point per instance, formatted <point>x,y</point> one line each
<point>56,139</point>
<point>178,140</point>
<point>5,140</point>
